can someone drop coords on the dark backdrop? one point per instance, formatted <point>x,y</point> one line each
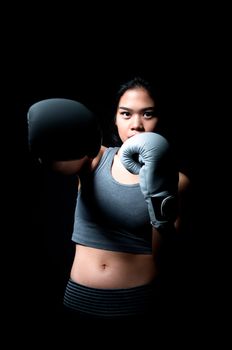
<point>40,203</point>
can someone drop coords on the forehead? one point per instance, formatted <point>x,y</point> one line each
<point>135,97</point>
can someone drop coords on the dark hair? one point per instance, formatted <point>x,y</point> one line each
<point>136,82</point>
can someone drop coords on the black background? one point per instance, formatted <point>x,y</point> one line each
<point>45,58</point>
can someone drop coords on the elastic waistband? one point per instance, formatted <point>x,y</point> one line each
<point>110,303</point>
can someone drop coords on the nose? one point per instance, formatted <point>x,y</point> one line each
<point>136,123</point>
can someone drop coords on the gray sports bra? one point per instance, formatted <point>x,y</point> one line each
<point>110,215</point>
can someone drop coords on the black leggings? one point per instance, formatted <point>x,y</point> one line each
<point>88,303</point>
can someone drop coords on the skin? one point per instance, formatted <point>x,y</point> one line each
<point>135,113</point>
<point>107,269</point>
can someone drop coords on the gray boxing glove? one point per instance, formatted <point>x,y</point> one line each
<point>62,129</point>
<point>150,155</point>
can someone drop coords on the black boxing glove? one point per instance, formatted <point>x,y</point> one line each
<point>61,129</point>
<point>149,155</point>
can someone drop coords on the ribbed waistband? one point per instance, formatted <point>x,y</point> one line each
<point>110,303</point>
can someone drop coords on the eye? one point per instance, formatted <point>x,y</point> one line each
<point>125,114</point>
<point>148,114</point>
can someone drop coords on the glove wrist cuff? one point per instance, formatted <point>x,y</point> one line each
<point>162,209</point>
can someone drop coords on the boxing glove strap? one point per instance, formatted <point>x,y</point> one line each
<point>162,209</point>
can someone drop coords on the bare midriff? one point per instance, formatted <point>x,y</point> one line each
<point>99,268</point>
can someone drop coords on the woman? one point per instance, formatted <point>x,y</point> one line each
<point>115,273</point>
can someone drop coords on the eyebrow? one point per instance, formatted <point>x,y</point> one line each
<point>143,109</point>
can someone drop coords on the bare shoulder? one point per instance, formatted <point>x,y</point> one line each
<point>183,221</point>
<point>184,183</point>
<point>97,159</point>
<point>185,192</point>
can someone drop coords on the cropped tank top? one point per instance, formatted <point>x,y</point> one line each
<point>110,215</point>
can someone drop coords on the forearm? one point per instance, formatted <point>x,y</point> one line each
<point>70,167</point>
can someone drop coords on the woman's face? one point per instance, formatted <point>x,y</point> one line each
<point>135,113</point>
